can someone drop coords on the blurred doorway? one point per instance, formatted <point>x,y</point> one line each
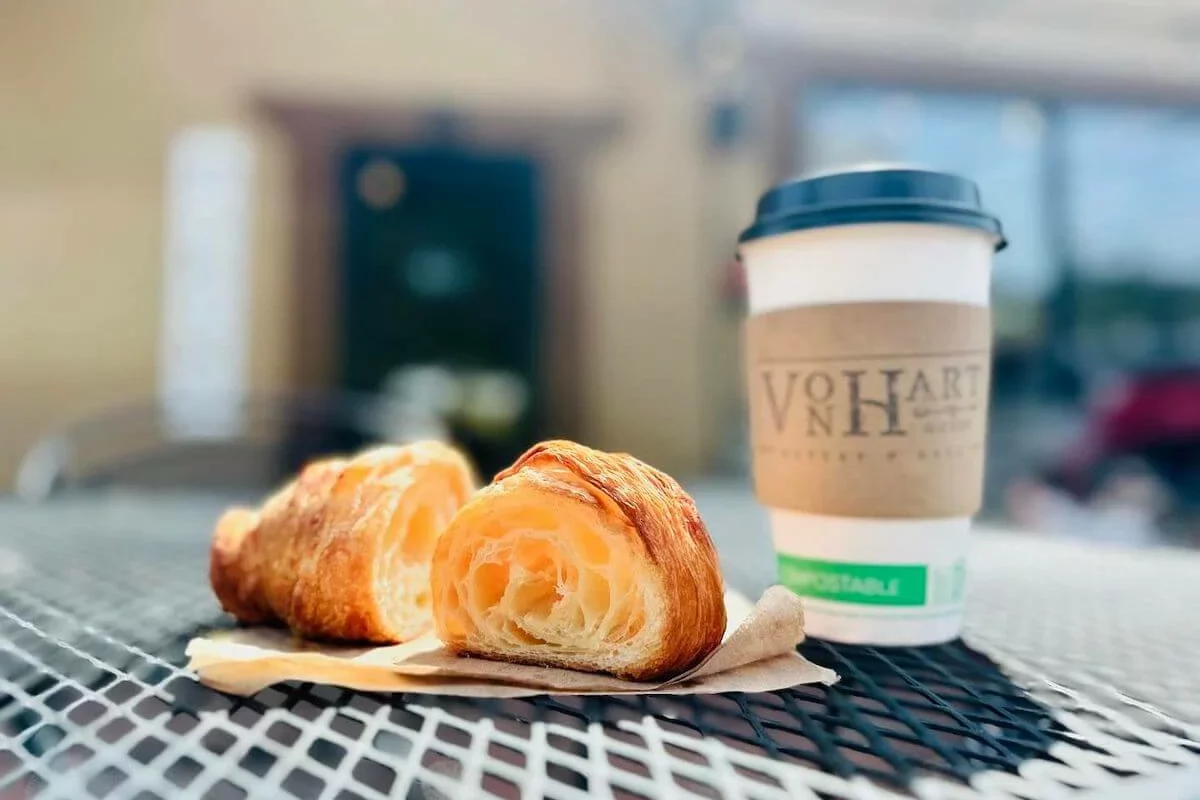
<point>441,288</point>
<point>436,254</point>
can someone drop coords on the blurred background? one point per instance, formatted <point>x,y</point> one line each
<point>237,235</point>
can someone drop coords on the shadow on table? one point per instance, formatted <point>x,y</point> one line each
<point>897,714</point>
<point>901,713</point>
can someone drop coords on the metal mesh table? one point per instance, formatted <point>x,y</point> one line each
<point>1080,676</point>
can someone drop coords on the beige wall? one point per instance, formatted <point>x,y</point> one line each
<point>80,164</point>
<point>92,91</point>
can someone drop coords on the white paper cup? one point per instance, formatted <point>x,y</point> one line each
<point>867,578</point>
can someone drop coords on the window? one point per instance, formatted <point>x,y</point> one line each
<point>1133,192</point>
<point>995,141</point>
<point>1127,192</point>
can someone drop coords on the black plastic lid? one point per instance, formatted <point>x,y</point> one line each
<point>872,194</point>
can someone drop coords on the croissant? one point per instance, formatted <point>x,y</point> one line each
<point>343,551</point>
<point>580,559</point>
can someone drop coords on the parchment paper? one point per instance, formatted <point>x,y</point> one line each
<point>758,654</point>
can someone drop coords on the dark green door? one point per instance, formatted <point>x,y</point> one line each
<point>441,275</point>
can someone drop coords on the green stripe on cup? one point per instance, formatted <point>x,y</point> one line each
<point>861,584</point>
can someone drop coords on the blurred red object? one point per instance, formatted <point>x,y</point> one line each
<point>1150,418</point>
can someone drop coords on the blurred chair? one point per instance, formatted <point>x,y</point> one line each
<point>265,440</point>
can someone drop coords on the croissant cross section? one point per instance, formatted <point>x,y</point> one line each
<point>580,559</point>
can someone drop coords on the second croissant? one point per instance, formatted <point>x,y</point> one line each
<point>342,552</point>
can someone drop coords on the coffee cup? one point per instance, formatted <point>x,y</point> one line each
<point>868,350</point>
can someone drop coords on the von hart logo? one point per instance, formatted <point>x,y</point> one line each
<point>870,409</point>
<point>886,402</point>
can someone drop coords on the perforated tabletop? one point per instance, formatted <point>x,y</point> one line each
<point>1079,676</point>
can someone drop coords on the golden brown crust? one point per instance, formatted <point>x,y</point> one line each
<point>235,590</point>
<point>342,552</point>
<point>647,542</point>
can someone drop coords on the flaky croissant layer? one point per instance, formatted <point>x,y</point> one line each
<point>581,559</point>
<point>343,551</point>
